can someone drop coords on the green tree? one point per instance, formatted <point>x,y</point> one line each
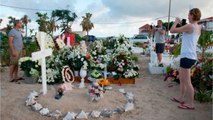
<point>204,42</point>
<point>86,23</point>
<point>10,23</point>
<point>42,21</point>
<point>65,17</point>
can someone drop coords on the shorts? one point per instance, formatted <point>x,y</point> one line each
<point>187,63</point>
<point>160,47</point>
<point>14,60</point>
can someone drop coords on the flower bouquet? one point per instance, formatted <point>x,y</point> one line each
<point>30,68</point>
<point>96,92</point>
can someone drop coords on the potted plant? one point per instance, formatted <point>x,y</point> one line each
<point>31,69</point>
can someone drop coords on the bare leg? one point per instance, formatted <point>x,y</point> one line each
<point>12,70</point>
<point>159,55</point>
<point>16,71</point>
<point>188,85</point>
<point>182,86</point>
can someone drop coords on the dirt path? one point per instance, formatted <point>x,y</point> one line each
<point>152,100</point>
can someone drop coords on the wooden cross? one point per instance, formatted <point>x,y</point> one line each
<point>42,54</point>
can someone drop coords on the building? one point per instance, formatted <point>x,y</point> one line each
<point>208,23</point>
<point>145,29</point>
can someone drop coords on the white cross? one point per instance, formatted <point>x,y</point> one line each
<point>42,54</point>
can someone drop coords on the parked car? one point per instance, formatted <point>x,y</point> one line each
<point>140,38</point>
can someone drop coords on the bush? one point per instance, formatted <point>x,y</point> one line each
<point>203,96</point>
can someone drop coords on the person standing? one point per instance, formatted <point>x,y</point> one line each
<point>160,32</point>
<point>191,34</point>
<point>15,46</point>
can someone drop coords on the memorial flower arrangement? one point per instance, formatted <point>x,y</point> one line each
<point>99,55</point>
<point>122,63</point>
<point>49,43</point>
<point>59,41</point>
<point>96,92</point>
<point>30,68</point>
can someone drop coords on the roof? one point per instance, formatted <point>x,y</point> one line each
<point>207,19</point>
<point>145,26</point>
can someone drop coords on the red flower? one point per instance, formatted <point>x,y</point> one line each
<point>126,62</point>
<point>89,57</point>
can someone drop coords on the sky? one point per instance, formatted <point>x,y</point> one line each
<point>110,17</point>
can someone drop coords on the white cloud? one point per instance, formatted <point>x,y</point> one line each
<point>134,13</point>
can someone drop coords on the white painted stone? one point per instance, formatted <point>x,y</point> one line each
<point>37,107</point>
<point>95,114</point>
<point>56,114</point>
<point>70,116</point>
<point>122,90</point>
<point>82,115</point>
<point>30,101</point>
<point>33,95</point>
<point>44,111</point>
<point>128,107</point>
<point>129,96</point>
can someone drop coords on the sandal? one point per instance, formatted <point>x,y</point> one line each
<point>13,80</point>
<point>185,107</point>
<point>178,101</point>
<point>20,78</point>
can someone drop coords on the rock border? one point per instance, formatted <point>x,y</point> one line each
<point>35,106</point>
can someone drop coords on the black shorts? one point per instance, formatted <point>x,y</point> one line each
<point>160,47</point>
<point>187,63</point>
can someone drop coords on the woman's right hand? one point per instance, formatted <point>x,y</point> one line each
<point>177,20</point>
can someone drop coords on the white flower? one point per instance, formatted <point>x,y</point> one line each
<point>82,59</point>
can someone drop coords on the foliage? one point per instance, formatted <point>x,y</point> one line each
<point>78,38</point>
<point>42,21</point>
<point>204,42</point>
<point>175,50</point>
<point>65,17</point>
<point>30,68</point>
<point>31,47</point>
<point>5,55</point>
<point>86,23</point>
<point>203,96</point>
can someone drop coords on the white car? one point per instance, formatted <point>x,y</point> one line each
<point>140,38</point>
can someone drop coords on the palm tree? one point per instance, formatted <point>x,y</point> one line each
<point>25,20</point>
<point>52,26</point>
<point>86,23</point>
<point>42,21</point>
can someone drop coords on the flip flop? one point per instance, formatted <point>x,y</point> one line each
<point>20,78</point>
<point>185,107</point>
<point>178,101</point>
<point>13,80</point>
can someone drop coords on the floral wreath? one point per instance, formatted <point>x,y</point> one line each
<point>67,74</point>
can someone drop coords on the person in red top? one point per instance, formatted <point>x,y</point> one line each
<point>69,34</point>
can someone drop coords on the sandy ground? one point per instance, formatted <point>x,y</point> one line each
<point>152,100</point>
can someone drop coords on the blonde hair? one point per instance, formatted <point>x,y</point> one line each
<point>195,12</point>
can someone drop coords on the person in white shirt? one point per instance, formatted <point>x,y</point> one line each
<point>191,34</point>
